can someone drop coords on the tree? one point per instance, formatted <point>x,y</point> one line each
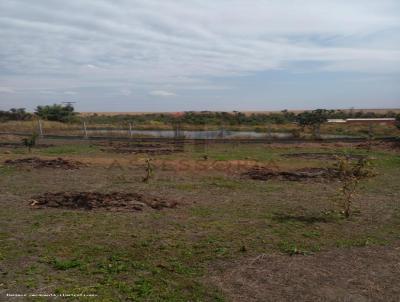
<point>56,112</point>
<point>313,120</point>
<point>15,114</point>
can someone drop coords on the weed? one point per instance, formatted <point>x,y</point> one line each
<point>64,265</point>
<point>312,234</point>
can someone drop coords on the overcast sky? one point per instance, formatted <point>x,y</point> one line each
<point>174,55</point>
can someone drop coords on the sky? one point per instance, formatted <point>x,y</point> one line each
<point>180,55</point>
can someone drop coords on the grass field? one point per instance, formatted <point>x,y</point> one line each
<point>57,128</point>
<point>230,238</point>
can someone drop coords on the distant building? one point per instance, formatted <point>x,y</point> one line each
<point>380,121</point>
<point>336,120</point>
<point>364,121</point>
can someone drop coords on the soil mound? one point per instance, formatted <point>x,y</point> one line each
<point>141,148</point>
<point>35,162</point>
<point>95,200</point>
<point>19,145</point>
<point>142,151</point>
<point>322,156</point>
<point>261,173</point>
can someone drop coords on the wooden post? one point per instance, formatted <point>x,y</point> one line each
<point>40,127</point>
<point>130,130</point>
<point>85,129</point>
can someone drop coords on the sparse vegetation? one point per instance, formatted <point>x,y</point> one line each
<point>64,234</point>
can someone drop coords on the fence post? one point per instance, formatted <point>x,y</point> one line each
<point>40,128</point>
<point>85,129</point>
<point>130,130</point>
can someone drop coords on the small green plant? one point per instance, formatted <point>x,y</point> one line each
<point>64,265</point>
<point>149,171</point>
<point>30,142</point>
<point>350,174</point>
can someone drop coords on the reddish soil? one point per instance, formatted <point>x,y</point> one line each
<point>35,162</point>
<point>261,173</point>
<point>94,200</point>
<point>352,274</point>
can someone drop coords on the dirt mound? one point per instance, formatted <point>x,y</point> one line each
<point>322,156</point>
<point>19,145</point>
<point>131,145</point>
<point>141,148</point>
<point>35,162</point>
<point>261,173</point>
<point>381,145</point>
<point>95,200</point>
<point>142,151</point>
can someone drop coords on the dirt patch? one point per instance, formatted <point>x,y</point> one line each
<point>381,145</point>
<point>19,145</point>
<point>141,148</point>
<point>353,274</point>
<point>94,200</point>
<point>37,163</point>
<point>322,156</point>
<point>261,173</point>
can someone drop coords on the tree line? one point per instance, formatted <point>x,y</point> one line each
<point>311,119</point>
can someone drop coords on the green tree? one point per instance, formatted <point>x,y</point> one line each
<point>15,114</point>
<point>313,120</point>
<point>56,112</point>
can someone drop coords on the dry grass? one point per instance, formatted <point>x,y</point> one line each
<point>223,221</point>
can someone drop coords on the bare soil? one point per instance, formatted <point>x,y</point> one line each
<point>351,274</point>
<point>37,163</point>
<point>94,200</point>
<point>322,156</point>
<point>380,145</point>
<point>142,151</point>
<point>17,145</point>
<point>138,148</point>
<point>261,173</point>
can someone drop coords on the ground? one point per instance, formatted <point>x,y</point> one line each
<point>229,238</point>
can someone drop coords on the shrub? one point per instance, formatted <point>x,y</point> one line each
<point>350,174</point>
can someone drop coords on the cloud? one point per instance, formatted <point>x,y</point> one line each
<point>145,44</point>
<point>6,90</point>
<point>162,93</point>
<point>70,93</point>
